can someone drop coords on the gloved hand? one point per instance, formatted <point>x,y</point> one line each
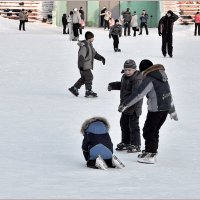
<point>103,60</point>
<point>159,33</point>
<point>109,36</point>
<point>174,116</point>
<point>122,108</point>
<point>109,88</point>
<point>81,69</point>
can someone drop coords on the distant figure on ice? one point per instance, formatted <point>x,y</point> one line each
<point>82,15</point>
<point>70,25</point>
<point>115,33</point>
<point>76,19</point>
<point>102,14</point>
<point>97,146</point>
<point>64,23</point>
<point>107,15</point>
<point>165,29</point>
<point>127,21</point>
<point>143,22</point>
<point>129,122</point>
<point>86,56</point>
<point>134,23</point>
<point>197,24</point>
<point>156,88</point>
<point>22,19</point>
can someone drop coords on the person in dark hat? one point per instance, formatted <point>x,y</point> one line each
<point>165,29</point>
<point>115,33</point>
<point>160,103</point>
<point>129,121</point>
<point>86,56</point>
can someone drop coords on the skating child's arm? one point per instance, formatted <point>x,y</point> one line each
<point>85,147</point>
<point>114,86</point>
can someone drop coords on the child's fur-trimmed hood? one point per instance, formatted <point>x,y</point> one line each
<point>87,122</point>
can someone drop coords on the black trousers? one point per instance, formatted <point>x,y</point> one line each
<point>197,26</point>
<point>106,24</point>
<point>127,26</point>
<point>134,30</point>
<point>22,24</point>
<point>115,41</point>
<point>167,41</point>
<point>86,78</point>
<point>152,125</point>
<point>76,29</point>
<point>143,24</point>
<point>64,28</point>
<point>130,129</point>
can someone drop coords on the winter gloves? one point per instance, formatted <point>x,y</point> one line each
<point>174,116</point>
<point>109,88</point>
<point>159,33</point>
<point>122,108</point>
<point>103,60</point>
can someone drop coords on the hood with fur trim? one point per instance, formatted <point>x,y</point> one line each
<point>92,120</point>
<point>156,71</point>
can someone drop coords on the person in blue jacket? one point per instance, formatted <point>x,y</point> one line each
<point>96,141</point>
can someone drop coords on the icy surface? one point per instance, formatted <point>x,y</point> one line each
<point>40,140</point>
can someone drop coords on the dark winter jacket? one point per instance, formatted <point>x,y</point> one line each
<point>166,23</point>
<point>156,88</point>
<point>144,18</point>
<point>128,86</point>
<point>127,16</point>
<point>86,55</point>
<point>96,139</point>
<point>116,30</point>
<point>64,19</point>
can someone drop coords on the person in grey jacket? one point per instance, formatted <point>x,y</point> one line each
<point>22,19</point>
<point>86,56</point>
<point>143,22</point>
<point>157,90</point>
<point>129,121</point>
<point>115,33</point>
<point>127,21</point>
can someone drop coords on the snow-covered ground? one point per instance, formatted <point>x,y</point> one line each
<point>40,140</point>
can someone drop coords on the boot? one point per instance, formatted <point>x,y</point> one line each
<point>74,91</point>
<point>90,93</point>
<point>100,163</point>
<point>122,146</point>
<point>133,149</point>
<point>147,157</point>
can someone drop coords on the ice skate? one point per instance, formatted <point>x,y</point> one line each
<point>118,50</point>
<point>122,146</point>
<point>90,93</point>
<point>74,91</point>
<point>146,157</point>
<point>117,163</point>
<point>100,163</point>
<point>133,149</point>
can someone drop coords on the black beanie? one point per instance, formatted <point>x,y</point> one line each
<point>89,35</point>
<point>116,21</point>
<point>130,64</point>
<point>145,64</point>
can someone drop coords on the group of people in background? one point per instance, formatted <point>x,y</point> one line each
<point>73,23</point>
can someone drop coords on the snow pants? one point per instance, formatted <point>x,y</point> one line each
<point>167,44</point>
<point>130,129</point>
<point>152,125</point>
<point>22,24</point>
<point>197,26</point>
<point>86,78</point>
<point>115,41</point>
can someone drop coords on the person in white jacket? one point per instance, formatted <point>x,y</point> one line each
<point>76,19</point>
<point>134,23</point>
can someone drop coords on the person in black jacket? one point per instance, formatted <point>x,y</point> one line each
<point>97,143</point>
<point>165,28</point>
<point>127,21</point>
<point>129,121</point>
<point>157,90</point>
<point>64,23</point>
<point>115,33</point>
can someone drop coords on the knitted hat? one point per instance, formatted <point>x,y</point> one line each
<point>75,9</point>
<point>145,64</point>
<point>116,21</point>
<point>130,64</point>
<point>89,35</point>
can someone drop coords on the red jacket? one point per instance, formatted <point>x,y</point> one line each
<point>197,18</point>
